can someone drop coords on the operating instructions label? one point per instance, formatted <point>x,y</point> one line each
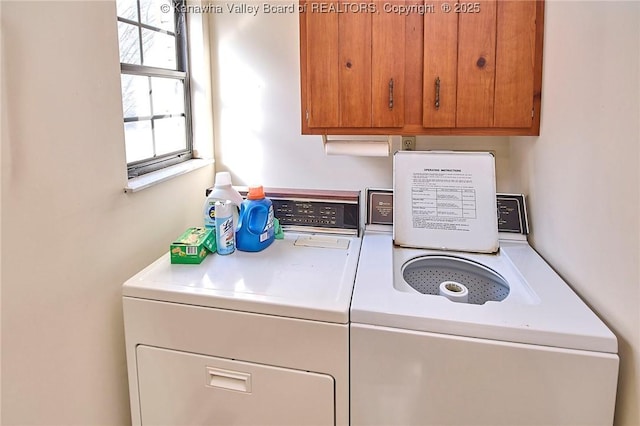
<point>443,194</point>
<point>445,200</point>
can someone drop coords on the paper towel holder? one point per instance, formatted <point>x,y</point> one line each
<point>357,145</point>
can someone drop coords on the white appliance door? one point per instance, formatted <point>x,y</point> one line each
<point>401,377</point>
<point>180,388</point>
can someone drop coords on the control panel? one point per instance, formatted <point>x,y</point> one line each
<point>330,211</point>
<point>317,213</point>
<point>511,210</point>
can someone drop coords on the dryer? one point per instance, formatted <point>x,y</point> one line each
<point>524,349</point>
<point>249,338</point>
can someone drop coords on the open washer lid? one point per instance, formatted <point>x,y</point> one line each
<point>445,200</point>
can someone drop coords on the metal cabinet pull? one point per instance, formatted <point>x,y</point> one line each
<point>391,94</point>
<point>437,103</point>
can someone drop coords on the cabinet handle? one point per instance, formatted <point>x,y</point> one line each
<point>437,103</point>
<point>391,94</point>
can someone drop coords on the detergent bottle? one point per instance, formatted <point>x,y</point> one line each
<point>255,226</point>
<point>222,191</point>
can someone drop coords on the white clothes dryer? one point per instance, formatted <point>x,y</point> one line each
<point>249,338</point>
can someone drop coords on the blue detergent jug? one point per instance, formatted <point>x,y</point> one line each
<point>255,225</point>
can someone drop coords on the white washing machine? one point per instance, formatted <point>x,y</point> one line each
<point>522,350</point>
<point>249,338</point>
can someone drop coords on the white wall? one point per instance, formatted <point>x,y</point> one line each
<point>70,235</point>
<point>582,173</point>
<point>257,113</point>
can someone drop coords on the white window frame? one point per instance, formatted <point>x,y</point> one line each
<point>158,162</point>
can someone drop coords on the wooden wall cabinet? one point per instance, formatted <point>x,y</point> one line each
<point>476,70</point>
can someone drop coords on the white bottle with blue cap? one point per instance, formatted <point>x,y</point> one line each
<point>222,191</point>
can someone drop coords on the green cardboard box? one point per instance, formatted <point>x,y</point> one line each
<point>193,245</point>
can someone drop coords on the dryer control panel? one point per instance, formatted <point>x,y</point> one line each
<point>316,213</point>
<point>328,211</point>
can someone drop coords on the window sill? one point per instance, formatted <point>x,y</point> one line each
<point>150,179</point>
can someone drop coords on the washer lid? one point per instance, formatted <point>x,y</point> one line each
<point>445,200</point>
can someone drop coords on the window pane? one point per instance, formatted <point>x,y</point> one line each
<point>167,95</point>
<point>159,49</point>
<point>129,43</point>
<point>136,101</point>
<point>127,9</point>
<point>170,135</point>
<point>138,140</point>
<point>152,41</point>
<point>158,13</point>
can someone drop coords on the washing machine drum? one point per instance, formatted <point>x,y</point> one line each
<point>457,279</point>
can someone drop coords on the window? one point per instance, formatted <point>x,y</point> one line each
<point>155,84</point>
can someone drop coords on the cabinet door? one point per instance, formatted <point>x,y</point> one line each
<point>476,65</point>
<point>515,63</point>
<point>480,64</point>
<point>440,68</point>
<point>352,62</point>
<point>388,59</point>
<point>354,75</point>
<point>180,388</point>
<point>320,67</point>
<point>497,60</point>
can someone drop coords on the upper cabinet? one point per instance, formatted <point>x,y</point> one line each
<point>410,67</point>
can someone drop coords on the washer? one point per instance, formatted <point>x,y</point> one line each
<point>247,338</point>
<point>538,357</point>
<point>531,354</point>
